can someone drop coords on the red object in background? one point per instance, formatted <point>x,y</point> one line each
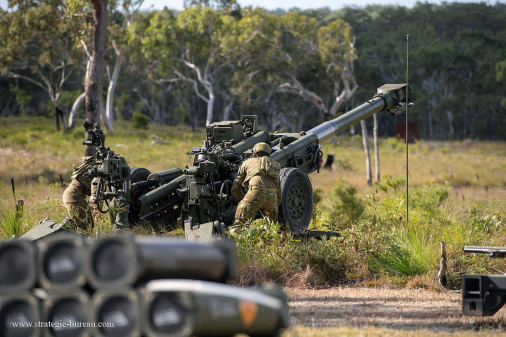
<point>400,131</point>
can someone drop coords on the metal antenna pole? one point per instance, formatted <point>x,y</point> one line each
<point>407,147</point>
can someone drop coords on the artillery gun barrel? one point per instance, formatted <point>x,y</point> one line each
<point>122,260</point>
<point>61,261</point>
<point>17,265</point>
<point>389,97</point>
<point>327,130</point>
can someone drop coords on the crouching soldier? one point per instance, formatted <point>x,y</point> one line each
<point>74,197</point>
<point>259,176</point>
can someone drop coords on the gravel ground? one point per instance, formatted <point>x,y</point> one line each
<point>397,310</point>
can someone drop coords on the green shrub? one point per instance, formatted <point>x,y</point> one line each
<point>347,208</point>
<point>267,254</point>
<point>139,120</point>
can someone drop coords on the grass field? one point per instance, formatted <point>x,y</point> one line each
<point>457,195</point>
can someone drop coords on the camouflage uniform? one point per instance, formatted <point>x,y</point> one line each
<point>74,197</point>
<point>260,178</point>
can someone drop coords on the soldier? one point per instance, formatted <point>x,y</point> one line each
<point>74,197</point>
<point>259,176</point>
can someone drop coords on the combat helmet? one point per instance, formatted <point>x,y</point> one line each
<point>262,147</point>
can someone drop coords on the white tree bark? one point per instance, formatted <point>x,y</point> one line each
<point>205,80</point>
<point>346,93</point>
<point>93,83</point>
<point>368,173</point>
<point>210,105</point>
<point>109,108</point>
<point>376,149</point>
<point>78,103</point>
<point>228,110</point>
<point>295,87</point>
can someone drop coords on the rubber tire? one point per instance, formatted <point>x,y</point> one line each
<point>290,177</point>
<point>138,174</point>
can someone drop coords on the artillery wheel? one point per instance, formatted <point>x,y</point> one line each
<point>138,174</point>
<point>296,209</point>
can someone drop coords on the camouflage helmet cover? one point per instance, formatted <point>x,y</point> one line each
<point>262,147</point>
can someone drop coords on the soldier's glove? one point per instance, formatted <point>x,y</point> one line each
<point>92,200</point>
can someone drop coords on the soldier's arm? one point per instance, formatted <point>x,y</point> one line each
<point>93,196</point>
<point>237,186</point>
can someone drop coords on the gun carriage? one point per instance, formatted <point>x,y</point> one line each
<point>199,196</point>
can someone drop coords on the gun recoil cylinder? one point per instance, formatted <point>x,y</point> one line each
<point>124,260</point>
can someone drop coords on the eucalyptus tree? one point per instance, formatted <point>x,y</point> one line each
<point>36,45</point>
<point>293,54</point>
<point>189,49</point>
<point>323,56</point>
<point>122,18</point>
<point>122,14</point>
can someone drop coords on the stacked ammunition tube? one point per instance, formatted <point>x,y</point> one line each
<point>66,285</point>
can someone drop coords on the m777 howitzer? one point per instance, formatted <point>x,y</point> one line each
<point>483,295</point>
<point>199,197</point>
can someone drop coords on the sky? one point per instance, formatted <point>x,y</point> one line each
<point>302,4</point>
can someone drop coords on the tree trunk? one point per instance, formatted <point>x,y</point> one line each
<point>96,67</point>
<point>103,117</point>
<point>228,109</point>
<point>75,108</point>
<point>109,111</point>
<point>368,173</point>
<point>210,106</point>
<point>376,149</point>
<point>449,115</point>
<point>59,116</point>
<point>431,133</point>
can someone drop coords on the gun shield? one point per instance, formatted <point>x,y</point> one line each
<point>17,266</point>
<point>19,315</point>
<point>116,313</point>
<point>67,315</point>
<point>61,261</point>
<point>124,260</point>
<point>224,310</point>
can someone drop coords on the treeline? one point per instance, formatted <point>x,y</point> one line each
<point>216,60</point>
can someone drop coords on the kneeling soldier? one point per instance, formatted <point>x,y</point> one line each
<point>259,176</point>
<point>74,197</point>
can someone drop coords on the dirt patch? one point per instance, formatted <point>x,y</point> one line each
<point>396,309</point>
